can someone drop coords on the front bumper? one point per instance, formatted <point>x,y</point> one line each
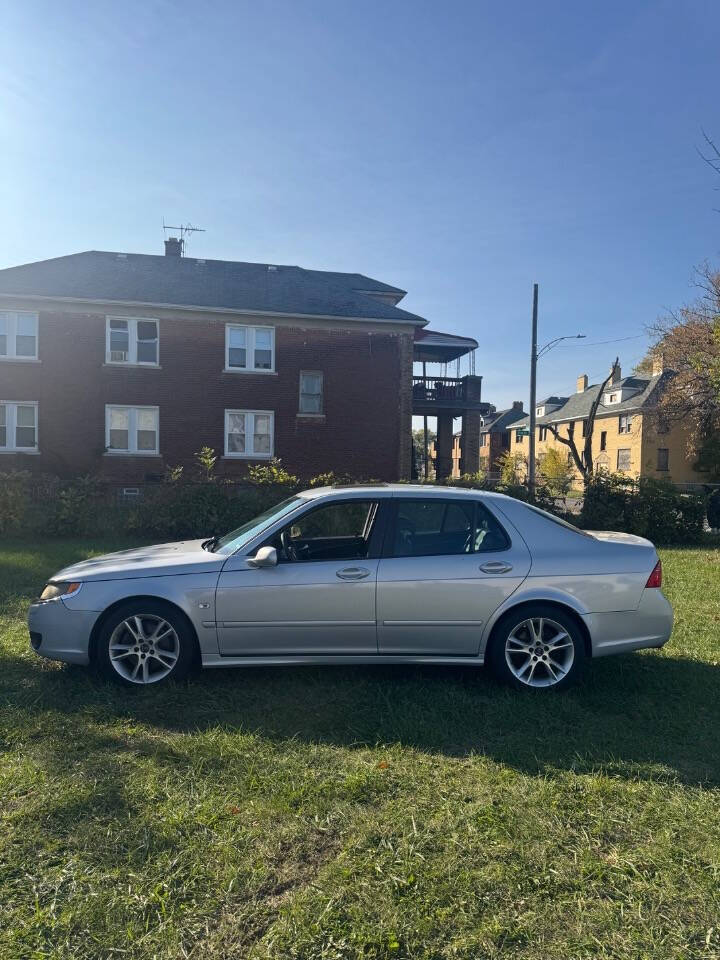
<point>60,633</point>
<point>650,625</point>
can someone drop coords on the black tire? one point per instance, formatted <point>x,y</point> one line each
<point>170,657</point>
<point>563,657</point>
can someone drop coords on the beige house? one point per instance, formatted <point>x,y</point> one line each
<point>628,437</point>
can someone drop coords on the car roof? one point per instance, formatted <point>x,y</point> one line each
<point>398,490</point>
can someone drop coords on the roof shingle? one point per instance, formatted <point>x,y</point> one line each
<point>215,284</point>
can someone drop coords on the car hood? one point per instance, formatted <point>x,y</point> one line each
<point>185,556</point>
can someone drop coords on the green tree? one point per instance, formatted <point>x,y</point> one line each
<point>513,468</point>
<point>556,472</point>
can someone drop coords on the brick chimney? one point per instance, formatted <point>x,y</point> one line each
<point>616,372</point>
<point>658,363</point>
<point>173,247</point>
<point>582,383</point>
<point>517,405</point>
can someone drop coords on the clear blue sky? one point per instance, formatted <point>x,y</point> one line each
<point>461,150</point>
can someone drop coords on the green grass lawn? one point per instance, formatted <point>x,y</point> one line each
<point>364,812</point>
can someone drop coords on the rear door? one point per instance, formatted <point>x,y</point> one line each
<point>447,565</point>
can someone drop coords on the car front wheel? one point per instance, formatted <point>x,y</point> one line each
<point>144,642</point>
<point>537,647</point>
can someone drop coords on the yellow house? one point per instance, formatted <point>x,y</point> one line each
<point>628,436</point>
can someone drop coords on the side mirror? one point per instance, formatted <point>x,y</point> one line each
<point>265,557</point>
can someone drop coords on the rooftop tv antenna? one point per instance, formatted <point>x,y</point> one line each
<point>184,229</point>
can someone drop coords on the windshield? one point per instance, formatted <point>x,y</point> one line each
<point>238,538</point>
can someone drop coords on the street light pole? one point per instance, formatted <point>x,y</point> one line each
<point>533,394</point>
<point>534,355</point>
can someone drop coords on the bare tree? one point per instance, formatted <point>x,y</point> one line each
<point>584,462</point>
<point>712,154</point>
<point>689,341</point>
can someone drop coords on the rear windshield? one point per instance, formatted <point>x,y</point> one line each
<point>554,519</point>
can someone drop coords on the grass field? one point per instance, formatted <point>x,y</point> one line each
<point>348,813</point>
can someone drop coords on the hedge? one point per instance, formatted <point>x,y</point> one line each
<point>177,509</point>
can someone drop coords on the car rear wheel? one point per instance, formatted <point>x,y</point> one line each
<point>145,642</point>
<point>537,647</point>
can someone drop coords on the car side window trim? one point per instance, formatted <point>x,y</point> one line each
<point>388,551</point>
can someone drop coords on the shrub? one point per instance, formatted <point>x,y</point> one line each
<point>14,500</point>
<point>646,507</point>
<point>77,508</point>
<point>271,474</point>
<point>713,509</point>
<point>176,511</point>
<point>206,459</point>
<point>513,469</point>
<point>473,481</point>
<point>331,479</point>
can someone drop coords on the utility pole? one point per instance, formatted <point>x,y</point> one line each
<point>533,394</point>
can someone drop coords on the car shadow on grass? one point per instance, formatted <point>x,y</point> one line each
<point>644,716</point>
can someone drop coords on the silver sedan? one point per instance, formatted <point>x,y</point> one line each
<point>366,574</point>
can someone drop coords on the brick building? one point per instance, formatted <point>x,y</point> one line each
<point>495,435</point>
<point>123,364</point>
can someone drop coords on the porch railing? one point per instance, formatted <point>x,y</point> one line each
<point>439,389</point>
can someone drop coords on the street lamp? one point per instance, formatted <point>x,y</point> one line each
<point>535,355</point>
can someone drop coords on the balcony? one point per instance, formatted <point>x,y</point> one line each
<point>447,395</point>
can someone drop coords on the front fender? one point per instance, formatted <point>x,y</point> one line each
<point>194,594</point>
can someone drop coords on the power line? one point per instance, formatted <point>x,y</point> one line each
<point>598,343</point>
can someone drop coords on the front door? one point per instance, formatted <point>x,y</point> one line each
<point>319,599</point>
<point>447,566</point>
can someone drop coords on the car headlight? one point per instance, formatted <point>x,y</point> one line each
<point>54,590</point>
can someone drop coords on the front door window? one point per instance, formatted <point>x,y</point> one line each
<point>339,531</point>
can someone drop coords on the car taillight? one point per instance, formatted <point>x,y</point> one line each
<point>655,578</point>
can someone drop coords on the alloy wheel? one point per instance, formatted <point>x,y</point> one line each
<point>539,652</point>
<point>144,648</point>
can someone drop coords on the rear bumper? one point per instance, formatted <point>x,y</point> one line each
<point>650,625</point>
<point>60,633</point>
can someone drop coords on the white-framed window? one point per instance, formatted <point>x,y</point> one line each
<point>311,392</point>
<point>18,427</point>
<point>18,335</point>
<point>133,340</point>
<point>131,430</point>
<point>623,459</point>
<point>249,434</point>
<point>249,349</point>
<point>624,423</point>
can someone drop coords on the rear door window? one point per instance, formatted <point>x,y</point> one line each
<point>433,527</point>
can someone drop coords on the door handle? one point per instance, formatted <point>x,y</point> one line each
<point>353,573</point>
<point>496,566</point>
